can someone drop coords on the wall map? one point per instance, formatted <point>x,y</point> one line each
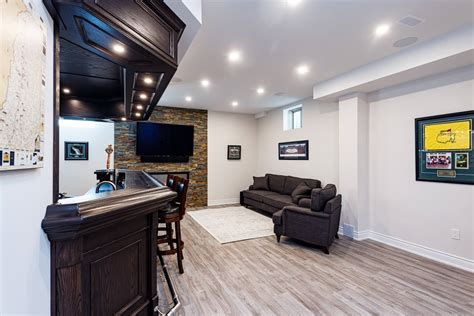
<point>22,84</point>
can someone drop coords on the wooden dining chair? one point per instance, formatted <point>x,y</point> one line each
<point>174,213</point>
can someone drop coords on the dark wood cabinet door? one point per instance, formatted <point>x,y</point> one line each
<point>143,19</point>
<point>117,276</point>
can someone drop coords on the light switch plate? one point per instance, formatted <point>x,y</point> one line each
<point>455,234</point>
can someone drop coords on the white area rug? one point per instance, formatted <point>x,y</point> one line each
<point>230,224</point>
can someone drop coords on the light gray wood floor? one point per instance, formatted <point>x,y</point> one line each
<point>262,277</point>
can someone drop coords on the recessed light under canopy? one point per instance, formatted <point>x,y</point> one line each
<point>205,83</point>
<point>382,29</point>
<point>234,56</point>
<point>138,114</point>
<point>148,80</point>
<point>260,90</point>
<point>139,107</point>
<point>66,91</point>
<point>143,96</point>
<point>188,99</point>
<point>235,103</point>
<point>118,48</point>
<point>123,118</point>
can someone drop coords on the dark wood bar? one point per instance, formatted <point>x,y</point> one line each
<point>103,249</point>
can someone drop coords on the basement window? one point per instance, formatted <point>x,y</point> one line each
<point>293,117</point>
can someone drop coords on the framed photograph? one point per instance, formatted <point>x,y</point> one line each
<point>76,151</point>
<point>438,161</point>
<point>461,161</point>
<point>234,152</point>
<point>297,150</point>
<point>444,148</point>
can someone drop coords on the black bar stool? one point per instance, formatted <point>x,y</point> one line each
<point>174,213</point>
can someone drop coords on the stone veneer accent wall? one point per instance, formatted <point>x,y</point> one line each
<point>125,150</point>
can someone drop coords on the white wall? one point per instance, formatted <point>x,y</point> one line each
<point>76,177</point>
<point>418,212</point>
<point>24,195</point>
<point>226,178</point>
<point>320,127</point>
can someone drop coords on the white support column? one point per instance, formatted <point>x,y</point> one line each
<point>353,162</point>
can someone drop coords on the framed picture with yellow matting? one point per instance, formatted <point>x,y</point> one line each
<point>444,148</point>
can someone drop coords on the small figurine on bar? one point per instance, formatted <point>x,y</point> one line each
<point>109,150</point>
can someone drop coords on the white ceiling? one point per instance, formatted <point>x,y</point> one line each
<point>330,36</point>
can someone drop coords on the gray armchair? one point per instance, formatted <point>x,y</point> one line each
<point>314,220</point>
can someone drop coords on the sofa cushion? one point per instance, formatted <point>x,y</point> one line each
<point>319,197</point>
<point>278,200</point>
<point>312,183</point>
<point>260,183</point>
<point>290,184</point>
<point>301,190</point>
<point>304,202</point>
<point>276,183</point>
<point>257,195</point>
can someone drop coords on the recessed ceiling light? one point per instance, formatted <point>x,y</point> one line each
<point>382,29</point>
<point>139,107</point>
<point>293,3</point>
<point>123,118</point>
<point>118,48</point>
<point>205,83</point>
<point>188,98</point>
<point>260,90</point>
<point>138,114</point>
<point>234,56</point>
<point>66,90</point>
<point>143,96</point>
<point>235,103</point>
<point>302,70</point>
<point>148,80</point>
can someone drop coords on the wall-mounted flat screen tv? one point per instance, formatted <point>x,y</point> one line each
<point>154,139</point>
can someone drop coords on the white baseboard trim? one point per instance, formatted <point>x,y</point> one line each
<point>427,252</point>
<point>223,202</point>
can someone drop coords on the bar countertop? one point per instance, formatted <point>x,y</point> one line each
<point>141,194</point>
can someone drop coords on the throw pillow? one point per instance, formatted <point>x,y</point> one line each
<point>319,197</point>
<point>299,192</point>
<point>260,183</point>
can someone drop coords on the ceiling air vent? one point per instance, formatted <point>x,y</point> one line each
<point>411,21</point>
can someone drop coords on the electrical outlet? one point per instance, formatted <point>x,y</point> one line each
<point>455,234</point>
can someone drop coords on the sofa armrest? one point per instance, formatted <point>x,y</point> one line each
<point>251,187</point>
<point>277,217</point>
<point>333,204</point>
<point>305,202</point>
<point>305,211</point>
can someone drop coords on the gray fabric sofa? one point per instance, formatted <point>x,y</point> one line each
<point>278,194</point>
<point>315,221</point>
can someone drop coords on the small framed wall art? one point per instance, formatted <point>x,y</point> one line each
<point>444,150</point>
<point>234,152</point>
<point>76,151</point>
<point>297,150</point>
